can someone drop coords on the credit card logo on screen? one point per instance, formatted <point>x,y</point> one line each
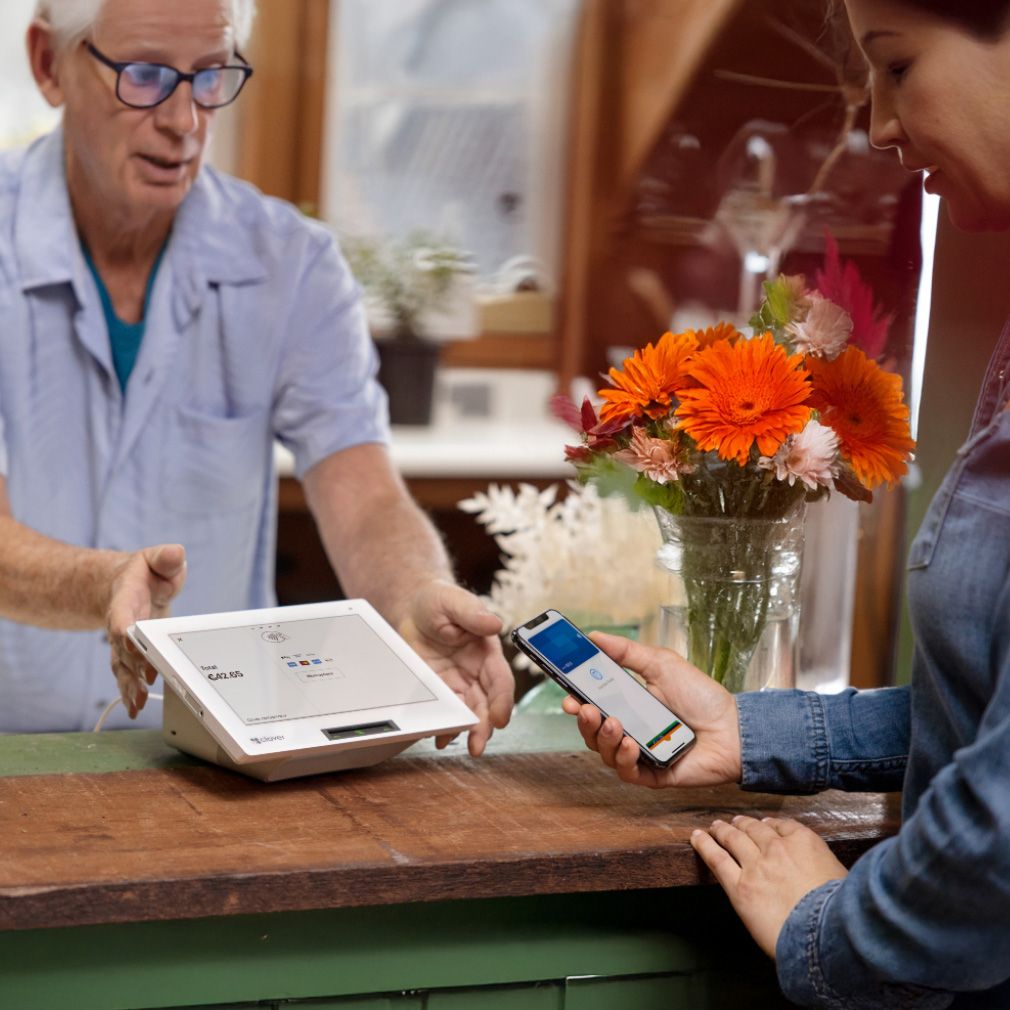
<point>664,735</point>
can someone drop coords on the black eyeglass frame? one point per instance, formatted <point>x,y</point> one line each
<point>180,76</point>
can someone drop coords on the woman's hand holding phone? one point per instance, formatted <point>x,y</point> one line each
<point>707,707</point>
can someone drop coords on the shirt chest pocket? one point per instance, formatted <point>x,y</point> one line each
<point>979,474</point>
<point>213,464</point>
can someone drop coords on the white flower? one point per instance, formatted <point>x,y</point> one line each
<point>811,456</point>
<point>824,331</point>
<point>589,557</point>
<point>501,510</point>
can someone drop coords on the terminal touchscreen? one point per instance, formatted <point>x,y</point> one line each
<point>298,689</point>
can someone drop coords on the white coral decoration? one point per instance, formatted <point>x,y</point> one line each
<point>811,456</point>
<point>824,331</point>
<point>589,557</point>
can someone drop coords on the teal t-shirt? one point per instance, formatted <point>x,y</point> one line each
<point>124,338</point>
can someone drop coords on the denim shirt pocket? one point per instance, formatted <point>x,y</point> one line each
<point>923,546</point>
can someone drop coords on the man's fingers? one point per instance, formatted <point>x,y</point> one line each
<point>166,560</point>
<point>452,609</point>
<point>478,737</point>
<point>168,563</point>
<point>130,689</point>
<point>499,685</point>
<point>122,614</point>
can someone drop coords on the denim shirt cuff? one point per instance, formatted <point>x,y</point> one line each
<point>800,968</point>
<point>797,958</point>
<point>783,741</point>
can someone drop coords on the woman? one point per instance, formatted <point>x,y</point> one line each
<point>923,919</point>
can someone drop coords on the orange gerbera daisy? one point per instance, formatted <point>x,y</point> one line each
<point>709,336</point>
<point>863,404</point>
<point>648,380</point>
<point>750,391</point>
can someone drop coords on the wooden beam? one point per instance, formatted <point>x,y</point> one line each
<point>662,45</point>
<point>589,122</point>
<point>281,112</point>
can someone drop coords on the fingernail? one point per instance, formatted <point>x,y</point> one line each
<point>716,823</point>
<point>735,819</point>
<point>697,833</point>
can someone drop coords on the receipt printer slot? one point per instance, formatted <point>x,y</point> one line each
<point>364,729</point>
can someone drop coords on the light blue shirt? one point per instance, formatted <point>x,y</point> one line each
<point>255,331</point>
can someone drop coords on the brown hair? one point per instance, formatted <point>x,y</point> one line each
<point>986,19</point>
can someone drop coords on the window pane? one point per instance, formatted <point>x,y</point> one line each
<point>449,116</point>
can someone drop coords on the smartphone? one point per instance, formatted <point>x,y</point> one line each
<point>566,655</point>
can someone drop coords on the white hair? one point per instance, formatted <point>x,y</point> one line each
<point>72,20</point>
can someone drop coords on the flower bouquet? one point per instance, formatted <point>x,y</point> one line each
<point>728,437</point>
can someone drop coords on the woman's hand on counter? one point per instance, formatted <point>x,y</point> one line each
<point>143,587</point>
<point>453,632</point>
<point>765,867</point>
<point>707,707</point>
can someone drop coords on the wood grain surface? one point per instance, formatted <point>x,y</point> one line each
<point>187,842</point>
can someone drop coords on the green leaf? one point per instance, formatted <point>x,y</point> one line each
<point>611,478</point>
<point>778,302</point>
<point>669,496</point>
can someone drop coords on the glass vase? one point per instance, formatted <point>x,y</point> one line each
<point>734,602</point>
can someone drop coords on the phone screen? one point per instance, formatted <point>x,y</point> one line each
<point>608,686</point>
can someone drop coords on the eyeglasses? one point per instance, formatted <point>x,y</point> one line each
<point>144,85</point>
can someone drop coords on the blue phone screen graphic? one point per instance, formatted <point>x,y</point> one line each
<point>564,646</point>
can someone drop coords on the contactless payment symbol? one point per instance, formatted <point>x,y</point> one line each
<point>595,674</point>
<point>274,636</point>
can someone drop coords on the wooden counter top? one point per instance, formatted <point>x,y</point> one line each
<point>180,840</point>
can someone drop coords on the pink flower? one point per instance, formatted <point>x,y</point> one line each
<point>825,330</point>
<point>659,459</point>
<point>845,287</point>
<point>811,457</point>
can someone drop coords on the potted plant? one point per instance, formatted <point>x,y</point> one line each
<point>406,281</point>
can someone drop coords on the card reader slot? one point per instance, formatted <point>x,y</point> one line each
<point>363,729</point>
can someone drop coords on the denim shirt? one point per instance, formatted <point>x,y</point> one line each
<point>254,332</point>
<point>923,918</point>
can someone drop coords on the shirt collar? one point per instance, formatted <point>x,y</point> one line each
<point>207,243</point>
<point>45,237</point>
<point>209,234</point>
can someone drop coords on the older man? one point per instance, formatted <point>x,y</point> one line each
<point>161,325</point>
